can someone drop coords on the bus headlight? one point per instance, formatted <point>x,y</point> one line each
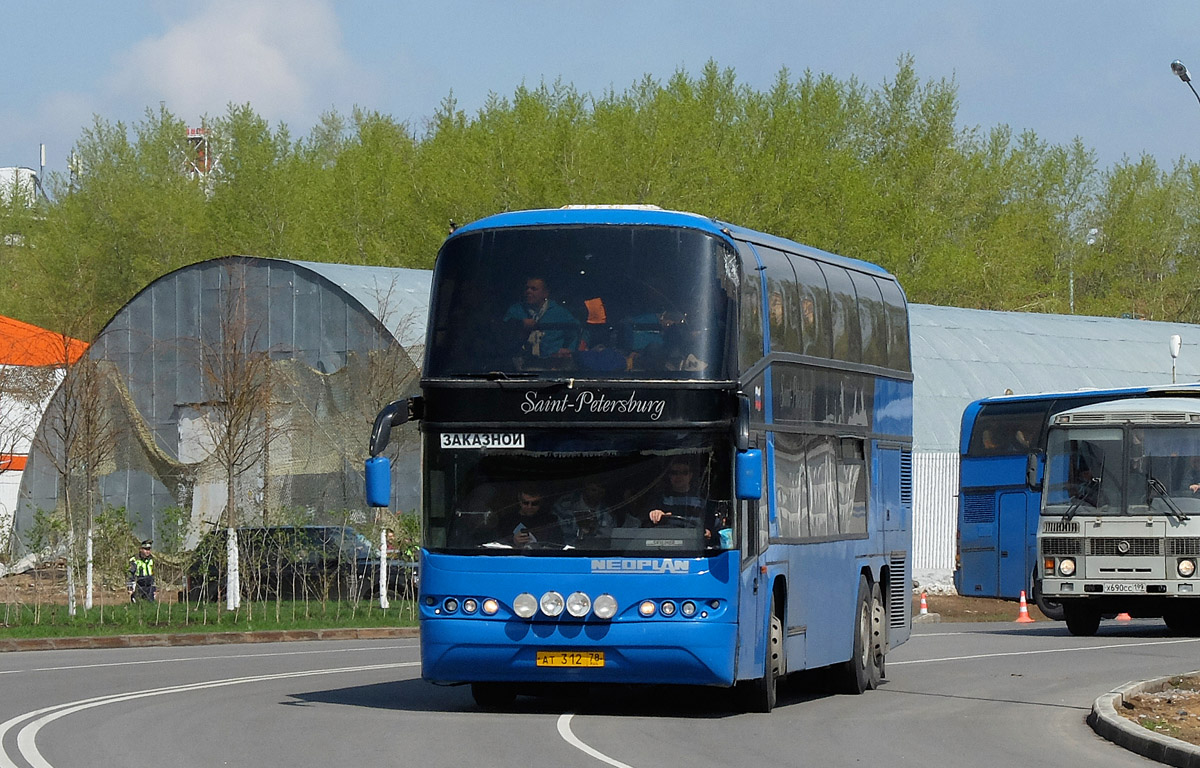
<point>605,606</point>
<point>668,608</point>
<point>470,605</point>
<point>1066,566</point>
<point>688,608</point>
<point>551,603</point>
<point>490,606</point>
<point>578,604</point>
<point>647,608</point>
<point>1186,568</point>
<point>525,605</point>
<point>450,604</point>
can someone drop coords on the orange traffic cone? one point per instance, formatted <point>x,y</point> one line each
<point>1023,615</point>
<point>1124,617</point>
<point>924,605</point>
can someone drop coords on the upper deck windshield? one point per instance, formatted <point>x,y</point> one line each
<point>1116,470</point>
<point>564,494</point>
<point>599,300</point>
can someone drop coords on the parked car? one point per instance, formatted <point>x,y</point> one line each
<point>295,562</point>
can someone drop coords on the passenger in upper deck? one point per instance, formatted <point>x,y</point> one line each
<point>543,328</point>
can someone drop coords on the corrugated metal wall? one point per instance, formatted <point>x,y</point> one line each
<point>935,510</point>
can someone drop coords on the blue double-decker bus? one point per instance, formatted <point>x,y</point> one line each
<point>657,448</point>
<point>998,507</point>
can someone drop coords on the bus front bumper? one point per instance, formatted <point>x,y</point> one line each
<point>656,652</point>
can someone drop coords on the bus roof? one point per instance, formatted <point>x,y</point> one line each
<point>654,216</point>
<point>1150,408</point>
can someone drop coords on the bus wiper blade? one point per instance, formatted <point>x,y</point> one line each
<point>1155,485</point>
<point>1089,492</point>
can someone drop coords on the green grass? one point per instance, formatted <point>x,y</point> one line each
<point>24,620</point>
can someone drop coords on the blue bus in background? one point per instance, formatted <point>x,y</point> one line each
<point>996,548</point>
<point>657,448</point>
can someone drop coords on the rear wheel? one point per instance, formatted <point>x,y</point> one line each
<point>879,643</point>
<point>855,674</point>
<point>1082,620</point>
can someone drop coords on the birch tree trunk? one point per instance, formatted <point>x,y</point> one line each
<point>383,565</point>
<point>87,599</point>
<point>233,587</point>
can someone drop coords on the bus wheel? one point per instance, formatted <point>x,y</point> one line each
<point>879,643</point>
<point>760,695</point>
<point>1182,622</point>
<point>1052,609</point>
<point>1082,620</point>
<point>856,673</point>
<point>493,695</point>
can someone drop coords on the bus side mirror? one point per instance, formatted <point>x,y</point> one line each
<point>749,480</point>
<point>379,481</point>
<point>393,414</point>
<point>1033,471</point>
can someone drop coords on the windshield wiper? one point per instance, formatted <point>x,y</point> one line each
<point>1154,485</point>
<point>1088,493</point>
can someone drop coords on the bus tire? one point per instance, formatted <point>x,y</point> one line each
<point>493,695</point>
<point>879,642</point>
<point>1182,621</point>
<point>761,695</point>
<point>1082,620</point>
<point>1052,609</point>
<point>855,674</point>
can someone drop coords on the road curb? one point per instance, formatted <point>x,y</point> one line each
<point>201,638</point>
<point>1106,721</point>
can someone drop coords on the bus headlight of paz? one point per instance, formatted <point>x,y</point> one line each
<point>1066,566</point>
<point>1186,567</point>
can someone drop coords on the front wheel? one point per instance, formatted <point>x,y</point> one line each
<point>493,695</point>
<point>1082,620</point>
<point>1052,609</point>
<point>761,695</point>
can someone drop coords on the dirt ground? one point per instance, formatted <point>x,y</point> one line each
<point>1174,712</point>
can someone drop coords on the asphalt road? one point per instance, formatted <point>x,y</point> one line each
<point>961,695</point>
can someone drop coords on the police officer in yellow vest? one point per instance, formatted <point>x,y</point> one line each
<point>141,574</point>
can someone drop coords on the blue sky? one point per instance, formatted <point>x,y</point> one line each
<point>1097,70</point>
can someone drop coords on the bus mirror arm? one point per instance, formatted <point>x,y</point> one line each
<point>1033,465</point>
<point>743,423</point>
<point>393,414</point>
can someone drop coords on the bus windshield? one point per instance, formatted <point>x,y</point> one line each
<point>564,494</point>
<point>606,301</point>
<point>1123,471</point>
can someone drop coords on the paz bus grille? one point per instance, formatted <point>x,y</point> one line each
<point>1189,546</point>
<point>1131,546</point>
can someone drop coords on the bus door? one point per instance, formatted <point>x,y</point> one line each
<point>1013,521</point>
<point>754,591</point>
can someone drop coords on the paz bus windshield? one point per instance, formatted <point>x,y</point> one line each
<point>612,301</point>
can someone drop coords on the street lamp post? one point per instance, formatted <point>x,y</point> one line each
<point>1182,73</point>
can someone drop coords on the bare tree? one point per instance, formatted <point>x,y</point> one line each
<point>81,436</point>
<point>236,372</point>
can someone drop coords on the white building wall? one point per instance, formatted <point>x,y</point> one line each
<point>935,510</point>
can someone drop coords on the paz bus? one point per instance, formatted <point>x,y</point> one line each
<point>657,448</point>
<point>1120,518</point>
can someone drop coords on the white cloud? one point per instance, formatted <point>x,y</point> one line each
<point>282,57</point>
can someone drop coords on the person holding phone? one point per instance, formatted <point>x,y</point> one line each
<point>531,523</point>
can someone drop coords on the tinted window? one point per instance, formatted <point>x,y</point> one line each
<point>782,301</point>
<point>1008,429</point>
<point>619,301</point>
<point>813,296</point>
<point>750,340</point>
<point>897,316</point>
<point>847,339</point>
<point>872,320</point>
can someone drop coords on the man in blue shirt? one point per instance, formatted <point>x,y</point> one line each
<point>545,328</point>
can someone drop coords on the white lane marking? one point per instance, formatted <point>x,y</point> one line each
<point>204,658</point>
<point>1044,651</point>
<point>564,730</point>
<point>26,737</point>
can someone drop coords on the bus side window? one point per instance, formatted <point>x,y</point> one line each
<point>750,341</point>
<point>813,297</point>
<point>872,321</point>
<point>847,338</point>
